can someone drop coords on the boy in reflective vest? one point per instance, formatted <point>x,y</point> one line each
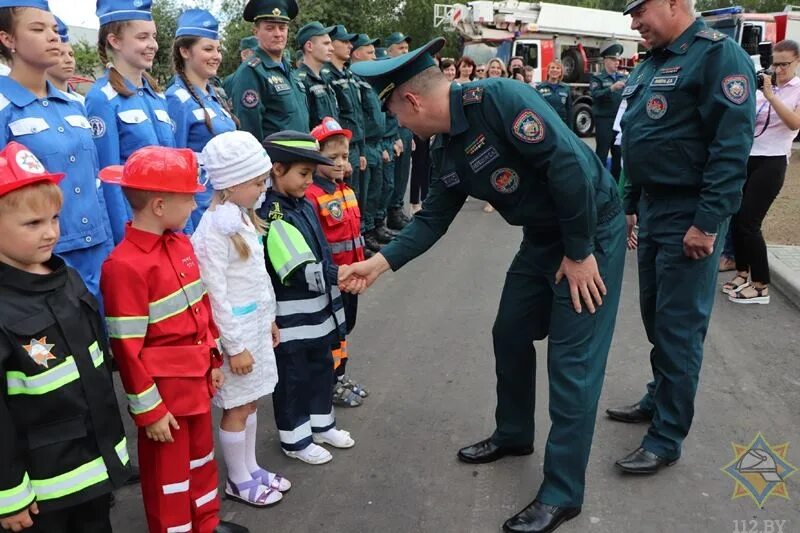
<point>337,209</point>
<point>309,305</point>
<point>62,446</point>
<point>165,342</point>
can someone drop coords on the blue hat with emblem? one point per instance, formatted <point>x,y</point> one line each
<point>63,31</point>
<point>630,5</point>
<point>611,50</point>
<point>388,74</point>
<point>312,29</point>
<point>340,34</point>
<point>37,4</point>
<point>272,10</point>
<point>363,40</point>
<point>122,10</point>
<point>248,43</point>
<point>396,38</point>
<point>198,23</point>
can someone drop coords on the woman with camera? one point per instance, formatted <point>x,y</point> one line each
<point>777,124</point>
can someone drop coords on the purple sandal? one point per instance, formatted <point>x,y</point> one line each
<point>277,482</point>
<point>247,493</point>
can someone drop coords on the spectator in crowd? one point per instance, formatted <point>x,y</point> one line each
<point>495,69</point>
<point>777,124</point>
<point>465,70</point>
<point>556,92</point>
<point>448,68</point>
<point>515,65</point>
<point>480,71</point>
<point>528,72</point>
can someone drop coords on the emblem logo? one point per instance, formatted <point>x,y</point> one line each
<point>335,209</point>
<point>657,106</point>
<point>332,125</point>
<point>39,351</point>
<point>28,162</point>
<point>276,12</point>
<point>472,95</point>
<point>736,88</point>
<point>450,180</point>
<point>528,127</point>
<point>275,212</point>
<point>760,470</point>
<point>98,127</point>
<point>505,180</point>
<point>250,99</point>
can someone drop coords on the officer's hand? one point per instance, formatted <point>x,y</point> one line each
<point>276,335</point>
<point>241,363</point>
<point>21,520</point>
<point>584,282</point>
<point>159,431</point>
<point>385,156</point>
<point>697,245</point>
<point>633,238</point>
<point>369,270</point>
<point>413,145</point>
<point>618,85</point>
<point>398,147</point>
<point>362,163</point>
<point>353,285</point>
<point>217,378</point>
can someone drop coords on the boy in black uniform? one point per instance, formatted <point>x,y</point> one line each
<point>62,446</point>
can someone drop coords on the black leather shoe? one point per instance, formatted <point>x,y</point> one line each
<point>396,219</point>
<point>630,414</point>
<point>643,462</point>
<point>382,235</point>
<point>486,451</point>
<point>230,527</point>
<point>539,517</point>
<point>371,241</point>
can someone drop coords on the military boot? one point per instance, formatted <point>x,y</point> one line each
<point>396,219</point>
<point>371,241</point>
<point>381,233</point>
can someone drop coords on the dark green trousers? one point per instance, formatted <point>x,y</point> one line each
<point>676,295</point>
<point>372,185</point>
<point>355,178</point>
<point>533,307</point>
<point>604,136</point>
<point>388,188</point>
<point>402,172</point>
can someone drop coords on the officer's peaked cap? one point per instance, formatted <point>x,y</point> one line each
<point>363,40</point>
<point>312,29</point>
<point>273,10</point>
<point>396,38</point>
<point>611,50</point>
<point>340,34</point>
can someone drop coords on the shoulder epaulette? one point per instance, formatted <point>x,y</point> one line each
<point>711,35</point>
<point>254,61</point>
<point>472,95</point>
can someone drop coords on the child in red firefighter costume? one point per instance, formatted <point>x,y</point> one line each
<point>340,218</point>
<point>164,340</point>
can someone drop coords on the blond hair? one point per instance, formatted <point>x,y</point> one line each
<point>34,197</point>
<point>241,246</point>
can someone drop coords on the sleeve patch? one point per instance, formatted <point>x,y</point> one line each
<point>250,98</point>
<point>472,95</point>
<point>98,127</point>
<point>736,88</point>
<point>528,127</point>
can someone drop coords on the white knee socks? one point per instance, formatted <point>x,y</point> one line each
<point>250,443</point>
<point>233,450</point>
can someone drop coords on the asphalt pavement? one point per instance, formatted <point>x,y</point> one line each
<point>422,346</point>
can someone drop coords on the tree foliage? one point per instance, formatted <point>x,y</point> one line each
<point>86,61</point>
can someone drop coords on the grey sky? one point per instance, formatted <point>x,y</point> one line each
<point>81,12</point>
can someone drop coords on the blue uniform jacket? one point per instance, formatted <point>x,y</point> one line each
<point>120,126</point>
<point>309,307</point>
<point>55,130</point>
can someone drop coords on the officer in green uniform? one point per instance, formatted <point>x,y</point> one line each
<point>397,44</point>
<point>247,47</point>
<point>687,133</point>
<point>557,93</point>
<point>267,95</point>
<point>606,90</point>
<point>348,97</point>
<point>498,141</point>
<point>314,40</point>
<point>371,188</point>
<point>392,149</point>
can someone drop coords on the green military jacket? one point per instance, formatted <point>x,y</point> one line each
<point>268,97</point>
<point>390,134</point>
<point>605,102</point>
<point>320,96</point>
<point>559,96</point>
<point>348,97</point>
<point>508,147</point>
<point>689,123</point>
<point>374,122</point>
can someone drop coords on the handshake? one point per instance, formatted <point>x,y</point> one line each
<point>357,277</point>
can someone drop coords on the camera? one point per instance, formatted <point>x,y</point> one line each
<point>765,58</point>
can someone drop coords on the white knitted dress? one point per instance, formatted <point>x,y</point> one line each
<point>242,300</point>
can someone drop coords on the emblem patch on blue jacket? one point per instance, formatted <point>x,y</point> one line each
<point>528,127</point>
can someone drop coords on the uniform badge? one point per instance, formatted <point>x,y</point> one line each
<point>505,180</point>
<point>472,95</point>
<point>528,127</point>
<point>28,162</point>
<point>670,70</point>
<point>275,212</point>
<point>736,88</point>
<point>98,127</point>
<point>450,180</point>
<point>657,106</point>
<point>276,12</point>
<point>483,159</point>
<point>475,145</point>
<point>39,351</point>
<point>335,209</point>
<point>250,98</point>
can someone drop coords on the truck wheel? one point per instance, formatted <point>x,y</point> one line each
<point>582,120</point>
<point>573,64</point>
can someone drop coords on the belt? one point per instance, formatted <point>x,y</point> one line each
<point>669,191</point>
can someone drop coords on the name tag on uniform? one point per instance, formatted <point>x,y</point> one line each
<point>483,159</point>
<point>664,81</point>
<point>629,90</point>
<point>450,180</point>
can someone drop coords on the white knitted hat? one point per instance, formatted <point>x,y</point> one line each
<point>232,158</point>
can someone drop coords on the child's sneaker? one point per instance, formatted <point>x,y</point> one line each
<point>311,454</point>
<point>344,397</point>
<point>252,493</point>
<point>353,386</point>
<point>273,481</point>
<point>335,437</point>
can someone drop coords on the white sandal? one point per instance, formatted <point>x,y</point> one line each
<point>311,454</point>
<point>337,438</point>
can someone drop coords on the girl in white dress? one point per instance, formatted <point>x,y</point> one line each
<point>228,243</point>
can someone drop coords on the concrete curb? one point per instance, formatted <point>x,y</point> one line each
<point>784,278</point>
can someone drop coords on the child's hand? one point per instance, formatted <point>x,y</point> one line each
<point>217,377</point>
<point>276,335</point>
<point>385,156</point>
<point>21,520</point>
<point>242,363</point>
<point>159,431</point>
